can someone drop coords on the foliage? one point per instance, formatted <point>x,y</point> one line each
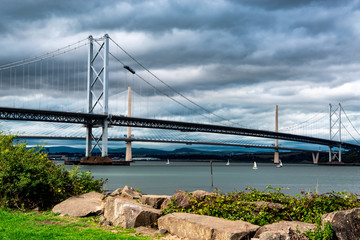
<point>321,233</point>
<point>249,205</point>
<point>28,179</point>
<point>45,225</point>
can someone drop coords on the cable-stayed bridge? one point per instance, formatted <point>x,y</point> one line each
<point>74,97</point>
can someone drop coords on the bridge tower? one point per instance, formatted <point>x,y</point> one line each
<point>97,93</point>
<point>128,156</point>
<point>335,131</point>
<point>276,153</point>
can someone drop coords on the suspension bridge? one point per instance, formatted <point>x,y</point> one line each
<point>73,97</point>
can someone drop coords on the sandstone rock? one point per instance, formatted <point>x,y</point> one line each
<point>200,194</point>
<point>284,229</point>
<point>129,213</point>
<point>182,199</point>
<point>154,201</point>
<point>117,192</point>
<point>346,224</point>
<point>84,205</point>
<point>271,235</point>
<point>261,204</point>
<point>130,192</point>
<point>165,204</point>
<point>201,227</point>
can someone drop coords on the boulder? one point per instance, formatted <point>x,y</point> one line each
<point>284,229</point>
<point>154,201</point>
<point>165,204</point>
<point>130,192</point>
<point>129,213</point>
<point>201,227</point>
<point>182,199</point>
<point>88,204</point>
<point>117,192</point>
<point>261,204</point>
<point>200,194</point>
<point>346,224</point>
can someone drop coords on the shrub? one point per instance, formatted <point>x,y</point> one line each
<point>238,205</point>
<point>28,179</point>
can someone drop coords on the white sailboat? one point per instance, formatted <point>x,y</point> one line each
<point>255,166</point>
<point>168,162</point>
<point>228,163</point>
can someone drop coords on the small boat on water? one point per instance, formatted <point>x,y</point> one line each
<point>228,163</point>
<point>255,166</point>
<point>280,164</point>
<point>168,162</point>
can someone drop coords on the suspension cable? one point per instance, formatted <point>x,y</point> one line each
<point>42,57</point>
<point>350,120</point>
<point>171,88</point>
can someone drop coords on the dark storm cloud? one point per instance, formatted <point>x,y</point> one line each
<point>218,52</point>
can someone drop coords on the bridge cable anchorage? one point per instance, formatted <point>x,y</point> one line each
<point>173,89</point>
<point>42,57</point>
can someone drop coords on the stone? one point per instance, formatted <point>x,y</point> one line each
<point>117,192</point>
<point>261,204</point>
<point>129,213</point>
<point>200,194</point>
<point>182,199</point>
<point>147,231</point>
<point>130,192</point>
<point>165,204</point>
<point>285,229</point>
<point>154,201</point>
<point>202,227</point>
<point>346,224</point>
<point>88,204</point>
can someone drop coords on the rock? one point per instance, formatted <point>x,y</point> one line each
<point>130,192</point>
<point>147,231</point>
<point>261,204</point>
<point>165,204</point>
<point>200,194</point>
<point>154,201</point>
<point>129,213</point>
<point>115,193</point>
<point>182,199</point>
<point>88,204</point>
<point>200,227</point>
<point>284,229</point>
<point>346,224</point>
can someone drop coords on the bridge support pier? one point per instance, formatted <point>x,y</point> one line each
<point>315,158</point>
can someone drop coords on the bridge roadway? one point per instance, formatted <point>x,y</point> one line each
<point>188,142</point>
<point>115,120</point>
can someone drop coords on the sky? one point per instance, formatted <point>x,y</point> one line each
<point>236,59</point>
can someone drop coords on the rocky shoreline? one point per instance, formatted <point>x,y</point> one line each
<point>130,209</point>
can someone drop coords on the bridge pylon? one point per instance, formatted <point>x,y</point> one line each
<point>276,153</point>
<point>335,131</point>
<point>97,93</point>
<point>128,155</point>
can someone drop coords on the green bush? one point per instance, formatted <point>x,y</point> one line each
<point>28,179</point>
<point>238,205</point>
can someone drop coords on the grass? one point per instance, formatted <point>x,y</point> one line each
<point>46,225</point>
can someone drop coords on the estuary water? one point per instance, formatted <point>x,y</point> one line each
<point>154,177</point>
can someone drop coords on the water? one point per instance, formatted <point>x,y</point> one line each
<point>161,178</point>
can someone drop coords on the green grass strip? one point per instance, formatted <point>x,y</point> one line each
<point>45,225</point>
